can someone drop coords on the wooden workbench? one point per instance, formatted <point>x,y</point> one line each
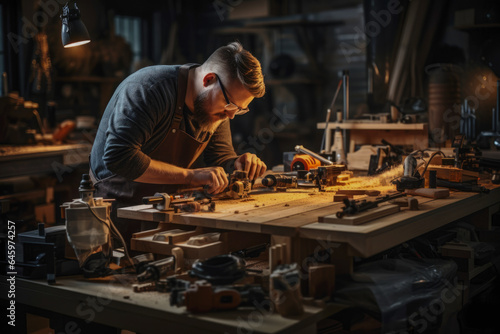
<point>293,217</point>
<point>74,303</point>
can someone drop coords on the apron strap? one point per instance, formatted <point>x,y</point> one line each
<point>182,80</point>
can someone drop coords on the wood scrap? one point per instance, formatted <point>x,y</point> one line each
<point>429,192</point>
<point>406,202</point>
<point>339,198</point>
<point>362,217</point>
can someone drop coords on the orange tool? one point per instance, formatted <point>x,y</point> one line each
<point>305,162</point>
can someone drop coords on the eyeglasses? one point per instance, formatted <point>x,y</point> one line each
<point>231,107</point>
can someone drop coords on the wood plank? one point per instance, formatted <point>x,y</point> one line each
<point>145,212</point>
<point>365,125</point>
<point>147,244</point>
<point>361,218</point>
<point>381,234</point>
<point>288,226</point>
<point>249,216</point>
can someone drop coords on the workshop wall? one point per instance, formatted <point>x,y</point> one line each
<point>302,59</point>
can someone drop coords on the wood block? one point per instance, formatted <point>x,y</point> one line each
<point>284,254</point>
<point>321,280</point>
<point>429,192</point>
<point>406,202</point>
<point>272,258</point>
<point>339,198</point>
<point>373,192</point>
<point>362,217</point>
<point>178,254</point>
<point>204,239</point>
<point>413,203</point>
<point>352,191</point>
<point>174,236</point>
<point>452,174</point>
<point>279,255</point>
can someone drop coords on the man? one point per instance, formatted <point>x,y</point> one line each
<point>161,118</point>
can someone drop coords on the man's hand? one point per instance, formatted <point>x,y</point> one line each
<point>214,177</point>
<point>250,163</point>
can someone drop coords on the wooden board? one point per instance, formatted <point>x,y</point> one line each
<point>147,244</point>
<point>361,218</point>
<point>250,216</point>
<point>145,212</point>
<point>378,235</point>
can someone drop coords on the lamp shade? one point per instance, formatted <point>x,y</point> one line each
<point>73,31</point>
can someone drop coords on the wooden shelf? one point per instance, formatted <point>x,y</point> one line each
<point>367,125</point>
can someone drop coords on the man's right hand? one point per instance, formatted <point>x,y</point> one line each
<point>214,177</point>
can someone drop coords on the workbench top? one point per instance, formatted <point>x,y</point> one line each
<point>297,213</point>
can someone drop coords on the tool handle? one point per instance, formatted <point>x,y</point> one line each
<point>152,199</point>
<point>428,192</point>
<point>302,149</point>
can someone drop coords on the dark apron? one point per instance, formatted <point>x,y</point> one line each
<point>177,148</point>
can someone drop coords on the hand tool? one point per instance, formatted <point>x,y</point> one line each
<point>251,252</point>
<point>304,162</point>
<point>205,205</point>
<point>302,149</point>
<point>356,206</point>
<point>164,201</point>
<point>279,181</point>
<point>239,185</point>
<point>410,179</point>
<point>140,261</point>
<point>203,297</point>
<point>153,271</point>
<point>463,186</point>
<point>285,290</point>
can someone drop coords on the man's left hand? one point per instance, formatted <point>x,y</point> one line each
<point>252,164</point>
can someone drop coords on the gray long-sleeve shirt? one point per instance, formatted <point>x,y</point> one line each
<point>136,121</point>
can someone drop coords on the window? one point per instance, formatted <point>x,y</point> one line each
<point>129,27</point>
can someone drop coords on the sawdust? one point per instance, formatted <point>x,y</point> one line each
<point>381,182</point>
<point>258,198</point>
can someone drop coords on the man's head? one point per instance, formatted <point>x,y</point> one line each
<point>231,78</point>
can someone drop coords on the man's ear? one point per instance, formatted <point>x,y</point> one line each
<point>208,79</point>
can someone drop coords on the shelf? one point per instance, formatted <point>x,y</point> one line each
<point>367,125</point>
<point>310,19</point>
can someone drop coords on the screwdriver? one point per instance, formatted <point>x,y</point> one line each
<point>155,270</point>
